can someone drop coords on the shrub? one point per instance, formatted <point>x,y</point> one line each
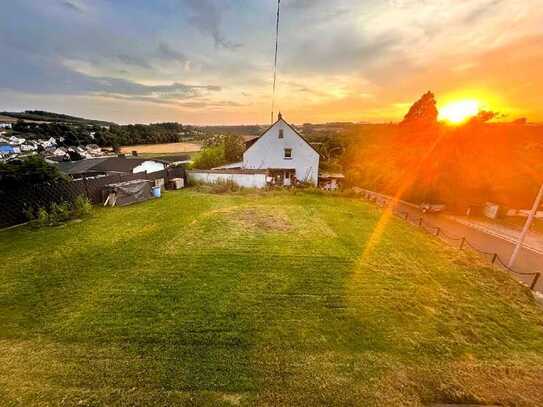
<point>82,207</point>
<point>59,213</point>
<point>42,218</point>
<point>224,187</point>
<point>209,157</point>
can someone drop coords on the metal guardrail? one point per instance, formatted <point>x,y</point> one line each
<point>384,200</point>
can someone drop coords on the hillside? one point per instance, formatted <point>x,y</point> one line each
<point>266,299</point>
<point>42,116</point>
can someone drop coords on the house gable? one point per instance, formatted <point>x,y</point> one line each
<point>282,147</point>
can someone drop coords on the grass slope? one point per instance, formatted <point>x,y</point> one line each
<point>257,299</point>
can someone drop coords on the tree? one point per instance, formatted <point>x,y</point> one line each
<point>482,117</point>
<point>423,112</point>
<point>31,170</point>
<point>233,148</point>
<point>209,157</point>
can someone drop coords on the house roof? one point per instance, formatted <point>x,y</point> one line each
<point>175,158</point>
<point>103,164</point>
<point>253,141</point>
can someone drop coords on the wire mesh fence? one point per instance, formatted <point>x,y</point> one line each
<point>14,204</point>
<point>461,242</point>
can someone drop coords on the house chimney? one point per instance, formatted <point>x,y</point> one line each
<point>279,116</point>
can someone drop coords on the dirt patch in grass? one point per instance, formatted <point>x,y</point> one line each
<point>267,221</point>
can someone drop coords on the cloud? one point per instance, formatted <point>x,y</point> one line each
<point>134,60</point>
<point>168,53</point>
<point>75,5</point>
<point>37,75</point>
<point>206,17</point>
<point>482,10</point>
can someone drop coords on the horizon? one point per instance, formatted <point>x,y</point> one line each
<point>210,63</point>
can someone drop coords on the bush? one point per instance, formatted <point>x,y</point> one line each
<point>209,157</point>
<point>59,213</point>
<point>221,187</point>
<point>42,219</point>
<point>31,170</point>
<point>224,187</point>
<point>82,207</point>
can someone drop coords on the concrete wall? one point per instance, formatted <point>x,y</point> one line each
<point>149,167</point>
<point>257,180</point>
<point>268,152</point>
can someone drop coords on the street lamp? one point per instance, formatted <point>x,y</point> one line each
<point>526,228</point>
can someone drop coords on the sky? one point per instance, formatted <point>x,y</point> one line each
<point>211,61</point>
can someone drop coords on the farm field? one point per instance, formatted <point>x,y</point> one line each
<point>258,299</point>
<point>167,148</point>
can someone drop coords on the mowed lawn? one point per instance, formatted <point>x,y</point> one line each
<point>258,299</point>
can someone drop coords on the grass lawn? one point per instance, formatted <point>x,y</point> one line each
<point>259,299</point>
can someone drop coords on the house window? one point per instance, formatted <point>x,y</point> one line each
<point>288,153</point>
<point>281,134</point>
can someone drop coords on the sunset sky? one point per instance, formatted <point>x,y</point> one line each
<point>210,61</point>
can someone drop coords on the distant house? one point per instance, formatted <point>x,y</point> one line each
<point>284,153</point>
<point>29,146</point>
<point>16,140</point>
<point>93,149</point>
<point>110,165</point>
<point>51,142</point>
<point>7,149</point>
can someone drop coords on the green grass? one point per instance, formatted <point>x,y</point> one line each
<point>259,299</point>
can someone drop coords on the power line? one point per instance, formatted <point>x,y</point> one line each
<point>275,60</point>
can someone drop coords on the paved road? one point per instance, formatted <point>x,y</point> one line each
<point>529,261</point>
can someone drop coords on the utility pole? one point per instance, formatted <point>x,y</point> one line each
<point>526,228</point>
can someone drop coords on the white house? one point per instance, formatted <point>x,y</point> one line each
<point>285,154</point>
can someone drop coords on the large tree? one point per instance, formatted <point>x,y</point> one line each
<point>31,170</point>
<point>423,112</point>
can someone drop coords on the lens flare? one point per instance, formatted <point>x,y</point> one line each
<point>459,112</point>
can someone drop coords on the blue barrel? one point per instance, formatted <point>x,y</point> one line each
<point>156,192</point>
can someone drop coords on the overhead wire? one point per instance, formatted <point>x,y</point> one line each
<point>275,59</point>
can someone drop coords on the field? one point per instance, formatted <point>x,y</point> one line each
<point>258,299</point>
<point>167,148</point>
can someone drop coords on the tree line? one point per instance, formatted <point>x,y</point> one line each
<point>465,165</point>
<point>106,136</point>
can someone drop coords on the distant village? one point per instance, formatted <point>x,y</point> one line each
<point>51,149</point>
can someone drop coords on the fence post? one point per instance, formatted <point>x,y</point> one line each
<point>462,243</point>
<point>494,258</point>
<point>86,187</point>
<point>535,280</point>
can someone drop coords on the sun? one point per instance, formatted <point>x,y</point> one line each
<point>459,112</point>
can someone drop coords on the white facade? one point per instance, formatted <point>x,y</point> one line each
<point>245,180</point>
<point>281,147</point>
<point>149,167</point>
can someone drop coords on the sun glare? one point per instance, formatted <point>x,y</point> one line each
<point>459,112</point>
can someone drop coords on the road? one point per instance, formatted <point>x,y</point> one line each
<point>529,261</point>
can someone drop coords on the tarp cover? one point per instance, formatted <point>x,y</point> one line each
<point>130,192</point>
